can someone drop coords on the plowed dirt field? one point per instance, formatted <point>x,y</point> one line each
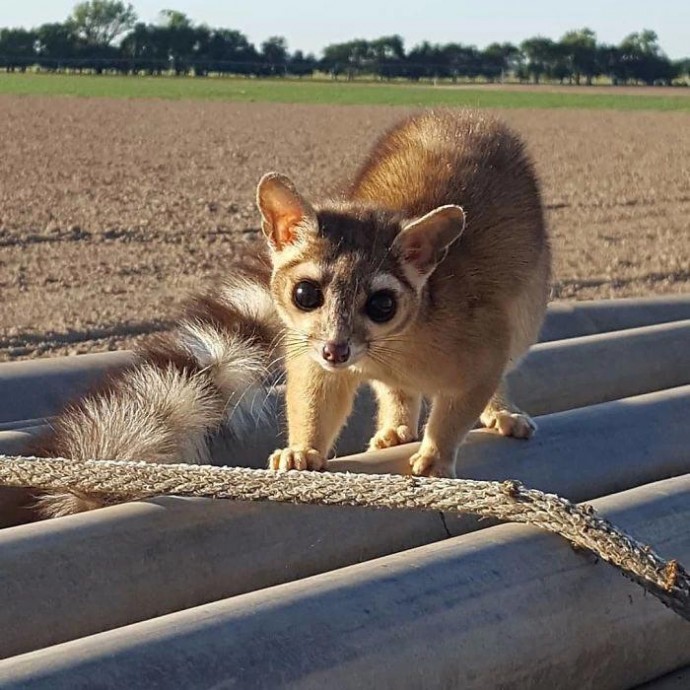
<point>111,210</point>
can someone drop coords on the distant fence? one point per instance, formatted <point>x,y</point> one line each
<point>144,66</point>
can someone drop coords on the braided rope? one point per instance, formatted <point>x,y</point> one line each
<point>506,501</point>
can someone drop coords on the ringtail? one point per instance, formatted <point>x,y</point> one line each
<point>427,278</point>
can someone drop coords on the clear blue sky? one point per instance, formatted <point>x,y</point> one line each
<point>311,24</point>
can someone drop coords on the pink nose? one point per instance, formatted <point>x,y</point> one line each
<point>336,353</point>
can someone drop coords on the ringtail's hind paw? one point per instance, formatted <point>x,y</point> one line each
<point>507,423</point>
<point>296,459</point>
<point>392,436</point>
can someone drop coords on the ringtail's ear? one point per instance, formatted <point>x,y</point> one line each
<point>423,243</point>
<point>286,215</point>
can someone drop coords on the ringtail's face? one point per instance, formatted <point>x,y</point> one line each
<point>348,280</point>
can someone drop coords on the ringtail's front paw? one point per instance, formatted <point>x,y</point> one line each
<point>515,424</point>
<point>296,459</point>
<point>392,436</point>
<point>430,463</point>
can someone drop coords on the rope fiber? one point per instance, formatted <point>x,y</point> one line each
<point>506,501</point>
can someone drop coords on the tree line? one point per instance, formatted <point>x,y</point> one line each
<point>105,36</point>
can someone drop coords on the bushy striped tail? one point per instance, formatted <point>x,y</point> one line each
<point>183,387</point>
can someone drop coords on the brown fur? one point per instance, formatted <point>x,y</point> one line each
<point>468,308</point>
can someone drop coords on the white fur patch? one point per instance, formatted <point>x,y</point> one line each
<point>234,364</point>
<point>235,367</point>
<point>60,505</point>
<point>310,270</point>
<point>158,415</point>
<point>386,281</point>
<point>251,299</point>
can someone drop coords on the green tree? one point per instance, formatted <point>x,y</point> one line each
<point>229,51</point>
<point>387,55</point>
<point>428,60</point>
<point>682,68</point>
<point>461,61</point>
<point>645,42</point>
<point>643,61</point>
<point>541,54</point>
<point>57,40</point>
<point>17,48</point>
<point>100,22</point>
<point>147,48</point>
<point>498,59</point>
<point>351,58</point>
<point>19,42</point>
<point>179,39</point>
<point>579,48</point>
<point>274,51</point>
<point>173,19</point>
<point>609,63</point>
<point>301,65</point>
<point>57,45</point>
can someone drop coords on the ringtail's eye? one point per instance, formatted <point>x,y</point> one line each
<point>307,295</point>
<point>381,306</point>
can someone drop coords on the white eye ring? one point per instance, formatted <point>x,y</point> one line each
<point>385,281</point>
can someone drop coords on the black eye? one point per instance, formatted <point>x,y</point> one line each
<point>380,306</point>
<point>307,296</point>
